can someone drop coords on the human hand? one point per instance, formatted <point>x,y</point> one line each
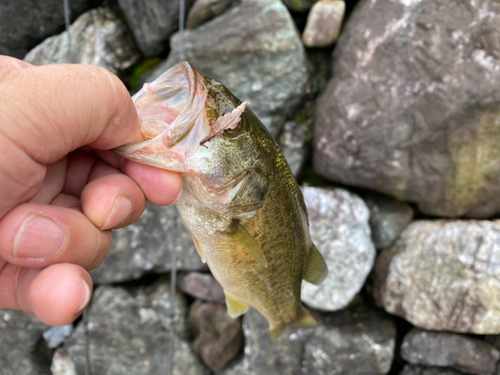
<point>61,193</point>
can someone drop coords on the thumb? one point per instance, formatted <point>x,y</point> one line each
<point>52,110</point>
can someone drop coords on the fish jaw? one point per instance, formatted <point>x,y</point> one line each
<point>173,119</point>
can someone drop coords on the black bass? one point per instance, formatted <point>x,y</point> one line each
<point>241,204</point>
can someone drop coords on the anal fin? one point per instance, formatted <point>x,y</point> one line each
<point>317,270</point>
<point>275,330</point>
<point>240,235</point>
<point>306,320</point>
<point>235,307</point>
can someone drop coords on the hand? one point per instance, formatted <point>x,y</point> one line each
<point>61,192</point>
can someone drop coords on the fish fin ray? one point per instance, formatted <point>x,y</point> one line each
<point>306,320</point>
<point>241,236</point>
<point>235,307</point>
<point>275,330</point>
<point>317,270</point>
<point>198,248</point>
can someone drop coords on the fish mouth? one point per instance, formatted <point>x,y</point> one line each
<point>172,113</point>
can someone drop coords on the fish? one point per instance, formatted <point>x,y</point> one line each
<point>240,202</point>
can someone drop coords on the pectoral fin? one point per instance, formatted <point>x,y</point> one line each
<point>241,236</point>
<point>198,248</point>
<point>317,269</point>
<point>234,306</point>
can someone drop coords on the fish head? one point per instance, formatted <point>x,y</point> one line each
<point>194,125</point>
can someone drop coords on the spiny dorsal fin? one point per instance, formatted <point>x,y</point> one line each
<point>241,236</point>
<point>234,306</point>
<point>317,270</point>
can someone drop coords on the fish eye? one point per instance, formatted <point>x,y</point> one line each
<point>232,133</point>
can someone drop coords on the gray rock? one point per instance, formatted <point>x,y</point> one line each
<point>204,10</point>
<point>22,349</point>
<point>219,337</point>
<point>254,50</point>
<point>25,23</point>
<point>152,22</point>
<point>202,286</point>
<point>323,23</point>
<point>449,350</point>
<point>299,5</point>
<point>423,370</point>
<point>388,218</point>
<point>338,222</point>
<point>131,333</point>
<point>55,336</point>
<point>97,37</point>
<point>146,247</point>
<point>443,275</point>
<point>294,143</point>
<point>349,342</point>
<point>412,109</point>
<point>62,364</point>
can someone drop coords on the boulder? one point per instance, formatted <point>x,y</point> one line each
<point>254,50</point>
<point>98,37</point>
<point>412,109</point>
<point>323,23</point>
<point>338,223</point>
<point>204,10</point>
<point>202,286</point>
<point>294,143</point>
<point>443,275</point>
<point>146,247</point>
<point>424,370</point>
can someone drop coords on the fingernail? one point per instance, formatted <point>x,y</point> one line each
<point>38,237</point>
<point>88,295</point>
<point>120,212</point>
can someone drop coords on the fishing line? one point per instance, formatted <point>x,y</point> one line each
<point>86,326</point>
<point>67,21</point>
<point>181,30</point>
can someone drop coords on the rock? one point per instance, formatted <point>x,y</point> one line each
<point>412,109</point>
<point>422,370</point>
<point>449,350</point>
<point>294,143</point>
<point>388,218</point>
<point>131,333</point>
<point>146,246</point>
<point>204,10</point>
<point>338,222</point>
<point>255,51</point>
<point>55,336</point>
<point>97,37</point>
<point>323,23</point>
<point>62,364</point>
<point>349,342</point>
<point>443,275</point>
<point>219,338</point>
<point>25,23</point>
<point>152,22</point>
<point>22,349</point>
<point>202,286</point>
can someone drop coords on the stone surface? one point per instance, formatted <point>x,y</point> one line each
<point>388,218</point>
<point>152,22</point>
<point>443,275</point>
<point>255,51</point>
<point>294,143</point>
<point>202,286</point>
<point>412,109</point>
<point>219,337</point>
<point>354,341</point>
<point>299,5</point>
<point>338,223</point>
<point>132,332</point>
<point>324,22</point>
<point>423,370</point>
<point>449,350</point>
<point>62,364</point>
<point>22,349</point>
<point>146,247</point>
<point>204,10</point>
<point>97,37</point>
<point>25,23</point>
<point>55,336</point>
